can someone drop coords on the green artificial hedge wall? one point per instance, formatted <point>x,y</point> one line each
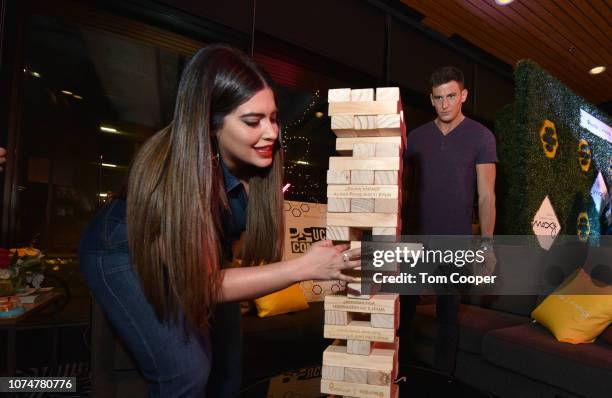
<point>527,175</point>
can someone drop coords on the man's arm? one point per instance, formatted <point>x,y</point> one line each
<point>485,178</point>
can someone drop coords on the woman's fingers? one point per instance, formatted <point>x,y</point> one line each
<point>341,248</point>
<point>323,243</point>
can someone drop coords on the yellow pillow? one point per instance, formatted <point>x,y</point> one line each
<point>576,318</point>
<point>290,299</point>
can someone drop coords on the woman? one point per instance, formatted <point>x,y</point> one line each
<point>156,262</point>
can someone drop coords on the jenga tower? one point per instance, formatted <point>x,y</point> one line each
<point>364,193</point>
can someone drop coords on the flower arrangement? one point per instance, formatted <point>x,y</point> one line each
<point>21,268</point>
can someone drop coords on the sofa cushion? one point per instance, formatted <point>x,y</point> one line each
<point>474,323</point>
<point>531,350</point>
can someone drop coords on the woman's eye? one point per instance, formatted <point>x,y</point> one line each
<point>252,123</point>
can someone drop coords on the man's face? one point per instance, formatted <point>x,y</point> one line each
<point>447,98</point>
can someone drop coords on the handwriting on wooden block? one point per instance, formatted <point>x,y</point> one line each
<point>358,330</point>
<point>363,191</point>
<point>356,390</point>
<point>377,304</point>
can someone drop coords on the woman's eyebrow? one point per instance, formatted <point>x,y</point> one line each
<point>258,114</point>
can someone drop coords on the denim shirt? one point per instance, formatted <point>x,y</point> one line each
<point>234,220</point>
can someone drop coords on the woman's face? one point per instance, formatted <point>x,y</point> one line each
<point>249,133</point>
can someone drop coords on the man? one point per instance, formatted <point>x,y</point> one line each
<point>447,160</point>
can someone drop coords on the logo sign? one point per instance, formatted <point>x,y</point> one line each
<point>549,139</point>
<point>583,227</point>
<point>584,155</point>
<point>302,238</point>
<point>545,224</point>
<point>599,193</point>
<point>595,126</point>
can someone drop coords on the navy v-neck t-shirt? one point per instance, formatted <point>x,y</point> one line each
<point>443,170</point>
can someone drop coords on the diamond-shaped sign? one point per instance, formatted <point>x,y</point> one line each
<point>599,193</point>
<point>545,224</point>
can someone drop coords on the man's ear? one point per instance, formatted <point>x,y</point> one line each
<point>464,95</point>
<point>432,100</point>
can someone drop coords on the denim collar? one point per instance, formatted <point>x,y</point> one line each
<point>230,181</point>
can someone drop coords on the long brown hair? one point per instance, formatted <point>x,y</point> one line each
<point>176,192</point>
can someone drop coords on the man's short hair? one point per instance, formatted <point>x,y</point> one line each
<point>445,75</point>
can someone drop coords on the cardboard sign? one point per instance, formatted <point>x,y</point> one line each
<point>305,224</point>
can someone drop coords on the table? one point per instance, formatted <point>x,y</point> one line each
<point>43,301</point>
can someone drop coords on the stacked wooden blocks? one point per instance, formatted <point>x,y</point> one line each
<point>364,193</point>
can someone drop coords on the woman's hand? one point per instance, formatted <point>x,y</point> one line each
<point>325,261</point>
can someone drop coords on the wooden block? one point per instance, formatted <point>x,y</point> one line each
<point>390,125</point>
<point>358,330</point>
<point>386,177</point>
<point>362,94</point>
<point>385,205</point>
<point>364,108</point>
<point>385,321</point>
<point>387,94</point>
<point>342,126</point>
<point>339,95</point>
<point>381,359</point>
<point>361,220</point>
<point>384,149</point>
<point>337,317</point>
<point>338,177</point>
<point>358,347</point>
<point>362,177</point>
<point>362,150</point>
<point>366,122</point>
<point>356,390</point>
<point>339,205</point>
<point>352,163</point>
<point>333,373</point>
<point>378,304</point>
<point>356,375</point>
<point>386,231</point>
<point>362,205</point>
<point>342,233</point>
<point>344,146</point>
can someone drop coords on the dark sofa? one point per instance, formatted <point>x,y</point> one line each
<point>502,351</point>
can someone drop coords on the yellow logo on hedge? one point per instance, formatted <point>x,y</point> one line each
<point>549,139</point>
<point>584,155</point>
<point>583,227</point>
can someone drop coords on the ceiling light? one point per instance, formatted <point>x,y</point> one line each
<point>319,115</point>
<point>597,70</point>
<point>67,92</point>
<point>35,74</point>
<point>109,165</point>
<point>503,2</point>
<point>103,195</point>
<point>77,96</point>
<point>108,129</point>
<point>286,187</point>
<point>302,162</point>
